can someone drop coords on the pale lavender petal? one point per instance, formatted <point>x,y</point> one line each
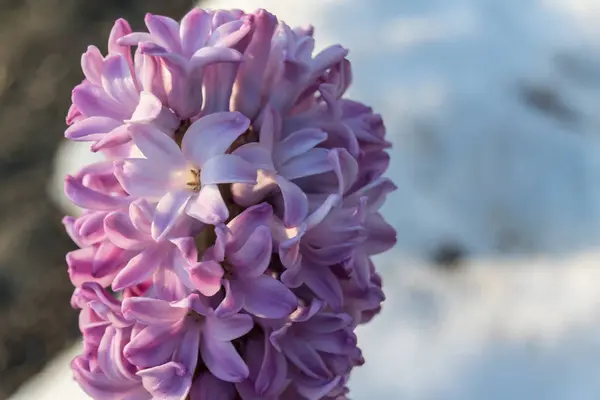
<point>133,39</point>
<point>158,147</point>
<point>93,101</point>
<point>223,360</point>
<point>151,110</point>
<point>120,28</point>
<point>294,200</point>
<point>227,168</point>
<point>313,162</point>
<point>206,277</point>
<point>166,29</point>
<point>141,214</point>
<point>118,82</point>
<point>212,135</point>
<point>252,259</point>
<point>123,233</point>
<point>227,329</point>
<point>187,352</point>
<point>256,154</point>
<point>90,129</point>
<point>230,33</point>
<point>266,297</point>
<point>208,206</point>
<point>170,381</point>
<point>91,199</point>
<point>152,345</point>
<point>141,177</point>
<point>194,30</point>
<point>118,136</point>
<point>297,143</point>
<point>169,210</point>
<point>243,225</point>
<point>210,55</point>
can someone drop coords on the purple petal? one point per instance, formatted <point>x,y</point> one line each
<point>140,268</point>
<point>121,232</point>
<point>206,277</point>
<point>141,177</point>
<point>233,301</point>
<point>170,381</point>
<point>81,268</point>
<point>297,143</point>
<point>194,31</point>
<point>345,168</point>
<point>188,351</point>
<point>169,210</point>
<point>244,224</point>
<point>141,214</point>
<point>151,110</point>
<point>158,147</point>
<point>212,135</point>
<point>295,202</point>
<point>253,258</point>
<point>118,136</point>
<point>323,282</point>
<point>223,360</point>
<point>227,168</point>
<point>227,329</point>
<point>211,55</point>
<point>266,297</point>
<point>166,30</point>
<point>152,345</point>
<point>133,39</point>
<point>120,28</point>
<point>152,311</point>
<point>91,129</point>
<point>313,162</point>
<point>207,387</point>
<point>118,82</point>
<point>319,389</point>
<point>208,206</point>
<point>230,33</point>
<point>305,358</point>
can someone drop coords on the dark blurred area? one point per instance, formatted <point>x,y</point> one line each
<point>41,42</point>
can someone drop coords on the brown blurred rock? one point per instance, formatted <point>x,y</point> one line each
<point>41,42</point>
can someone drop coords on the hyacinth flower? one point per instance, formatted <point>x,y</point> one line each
<point>234,217</point>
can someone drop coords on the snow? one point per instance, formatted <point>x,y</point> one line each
<point>492,109</point>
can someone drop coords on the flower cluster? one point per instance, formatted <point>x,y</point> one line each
<point>225,243</point>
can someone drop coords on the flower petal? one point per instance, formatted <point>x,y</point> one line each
<point>253,258</point>
<point>233,301</point>
<point>141,177</point>
<point>139,268</point>
<point>206,277</point>
<point>150,311</point>
<point>157,146</point>
<point>91,64</point>
<point>223,360</point>
<point>313,162</point>
<point>208,387</point>
<point>212,135</point>
<point>297,143</point>
<point>87,198</point>
<point>194,30</point>
<point>227,168</point>
<point>151,110</point>
<point>208,206</point>
<point>93,101</point>
<point>244,224</point>
<point>118,82</point>
<point>266,297</point>
<point>166,30</point>
<point>121,232</point>
<point>91,129</point>
<point>295,202</point>
<point>227,329</point>
<point>169,210</point>
<point>170,381</point>
<point>305,358</point>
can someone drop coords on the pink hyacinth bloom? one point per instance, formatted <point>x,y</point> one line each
<point>234,217</point>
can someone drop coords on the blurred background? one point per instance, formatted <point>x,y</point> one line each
<point>493,110</point>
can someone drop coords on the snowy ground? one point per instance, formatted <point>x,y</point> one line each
<point>492,108</point>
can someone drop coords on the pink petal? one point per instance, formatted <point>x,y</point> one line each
<point>91,199</point>
<point>91,64</point>
<point>297,143</point>
<point>118,136</point>
<point>206,277</point>
<point>141,214</point>
<point>194,31</point>
<point>253,258</point>
<point>212,135</point>
<point>158,147</point>
<point>118,82</point>
<point>230,33</point>
<point>227,329</point>
<point>223,360</point>
<point>150,311</point>
<point>210,55</point>
<point>168,212</point>
<point>91,129</point>
<point>152,345</point>
<point>133,39</point>
<point>166,29</point>
<point>93,101</point>
<point>121,232</point>
<point>227,168</point>
<point>208,206</point>
<point>120,29</point>
<point>139,268</point>
<point>266,297</point>
<point>151,110</point>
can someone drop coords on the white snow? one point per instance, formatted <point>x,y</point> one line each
<point>476,164</point>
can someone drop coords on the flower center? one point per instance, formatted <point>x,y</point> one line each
<point>193,180</point>
<point>180,132</point>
